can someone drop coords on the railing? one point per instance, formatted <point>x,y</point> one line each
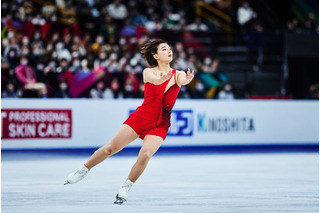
<point>210,13</point>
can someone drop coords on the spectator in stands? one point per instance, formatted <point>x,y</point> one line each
<point>197,25</point>
<point>131,85</point>
<point>76,63</point>
<point>211,78</point>
<point>12,51</point>
<point>248,18</point>
<point>197,89</point>
<point>311,24</point>
<point>118,12</point>
<point>313,92</point>
<point>294,25</point>
<point>245,14</point>
<point>226,92</point>
<point>26,75</point>
<point>108,28</point>
<point>7,74</point>
<point>98,90</point>
<point>9,91</point>
<point>63,91</point>
<point>52,44</point>
<point>115,87</point>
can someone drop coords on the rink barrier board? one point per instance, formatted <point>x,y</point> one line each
<point>87,123</point>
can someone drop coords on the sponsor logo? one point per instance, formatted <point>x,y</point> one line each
<point>181,123</point>
<point>225,124</point>
<point>36,123</point>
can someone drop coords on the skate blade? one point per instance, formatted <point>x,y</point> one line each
<point>119,200</point>
<point>66,183</point>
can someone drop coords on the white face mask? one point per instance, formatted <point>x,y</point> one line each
<point>37,36</point>
<point>207,61</point>
<point>59,46</point>
<point>10,34</point>
<point>76,63</point>
<point>40,67</point>
<point>52,64</point>
<point>227,88</point>
<point>24,62</point>
<point>199,86</point>
<point>122,41</point>
<point>128,88</point>
<point>99,40</point>
<point>113,56</point>
<point>12,54</point>
<point>25,52</point>
<point>36,52</point>
<point>25,41</point>
<point>63,86</point>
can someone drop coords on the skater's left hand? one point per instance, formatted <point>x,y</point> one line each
<point>190,75</point>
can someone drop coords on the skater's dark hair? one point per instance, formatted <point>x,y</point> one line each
<point>149,49</point>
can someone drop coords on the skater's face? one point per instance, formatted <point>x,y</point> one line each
<point>164,53</point>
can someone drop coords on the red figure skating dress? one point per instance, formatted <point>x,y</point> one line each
<point>153,116</point>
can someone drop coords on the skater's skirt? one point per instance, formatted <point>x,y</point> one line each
<point>135,122</point>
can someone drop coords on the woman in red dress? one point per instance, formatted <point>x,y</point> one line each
<point>150,121</point>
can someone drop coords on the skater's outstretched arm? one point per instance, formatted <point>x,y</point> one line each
<point>184,78</point>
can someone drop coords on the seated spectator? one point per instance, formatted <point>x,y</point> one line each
<point>115,87</point>
<point>63,91</point>
<point>108,28</point>
<point>131,85</point>
<point>118,12</point>
<point>313,92</point>
<point>197,25</point>
<point>97,91</point>
<point>12,53</point>
<point>26,75</point>
<point>226,92</point>
<point>197,89</point>
<point>211,78</point>
<point>9,92</point>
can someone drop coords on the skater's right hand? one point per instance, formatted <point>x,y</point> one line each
<point>151,75</point>
<point>166,76</point>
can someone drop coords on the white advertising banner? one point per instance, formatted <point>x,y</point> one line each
<point>75,123</point>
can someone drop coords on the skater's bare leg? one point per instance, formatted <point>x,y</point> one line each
<point>122,138</point>
<point>150,146</point>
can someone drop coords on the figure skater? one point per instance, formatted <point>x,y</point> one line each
<point>150,121</point>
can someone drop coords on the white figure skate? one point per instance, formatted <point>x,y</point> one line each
<point>122,195</point>
<point>77,175</point>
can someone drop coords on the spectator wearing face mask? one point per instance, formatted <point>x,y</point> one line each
<point>76,65</point>
<point>63,91</point>
<point>9,91</point>
<point>26,75</point>
<point>12,58</point>
<point>118,12</point>
<point>98,91</point>
<point>226,93</point>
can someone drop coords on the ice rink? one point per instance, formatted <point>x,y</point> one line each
<point>270,182</point>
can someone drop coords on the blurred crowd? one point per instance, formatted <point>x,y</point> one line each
<point>90,48</point>
<point>46,48</point>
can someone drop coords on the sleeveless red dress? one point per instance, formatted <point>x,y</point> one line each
<point>153,116</point>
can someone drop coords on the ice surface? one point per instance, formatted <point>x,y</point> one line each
<point>285,182</point>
